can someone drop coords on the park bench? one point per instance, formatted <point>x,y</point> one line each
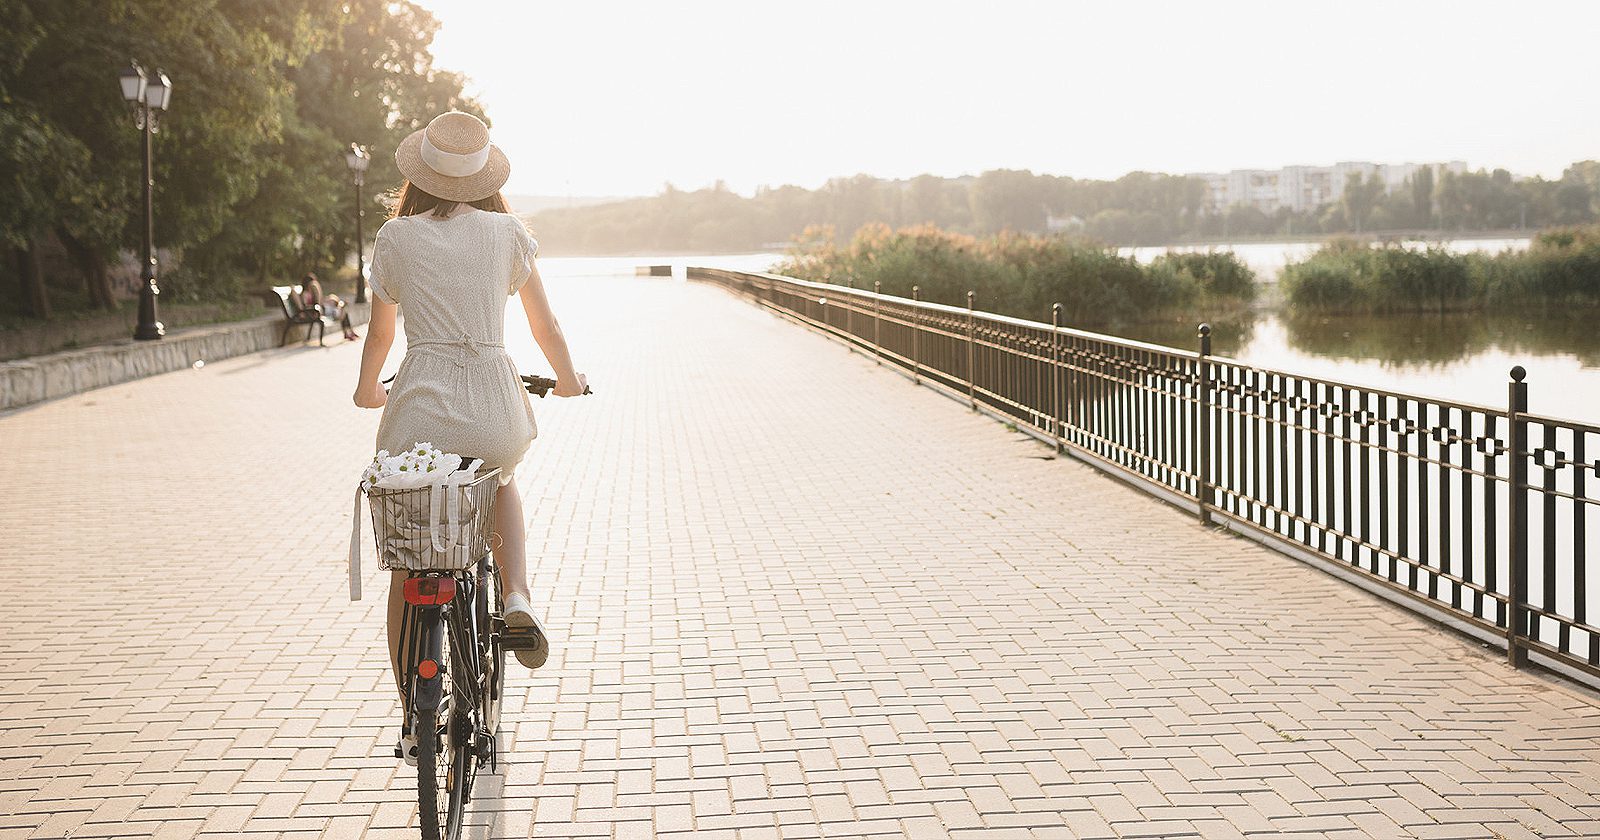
<point>295,315</point>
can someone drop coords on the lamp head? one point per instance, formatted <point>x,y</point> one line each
<point>159,91</point>
<point>133,83</point>
<point>357,158</point>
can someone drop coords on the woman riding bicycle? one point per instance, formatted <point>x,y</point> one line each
<point>451,256</point>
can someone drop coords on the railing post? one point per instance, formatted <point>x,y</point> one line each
<point>916,338</point>
<point>1202,425</point>
<point>877,347</point>
<point>972,373</point>
<point>1055,378</point>
<point>850,308</point>
<point>1517,587</point>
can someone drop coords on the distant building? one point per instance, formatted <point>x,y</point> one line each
<point>1063,224</point>
<point>1302,188</point>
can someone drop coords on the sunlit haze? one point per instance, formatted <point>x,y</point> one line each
<point>614,98</point>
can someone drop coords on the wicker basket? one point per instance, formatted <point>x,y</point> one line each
<point>439,528</point>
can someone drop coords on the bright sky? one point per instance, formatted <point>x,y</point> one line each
<point>601,97</point>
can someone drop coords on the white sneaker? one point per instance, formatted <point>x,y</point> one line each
<point>519,620</point>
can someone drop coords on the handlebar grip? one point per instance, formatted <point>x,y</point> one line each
<point>541,386</point>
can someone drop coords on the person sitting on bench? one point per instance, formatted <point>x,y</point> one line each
<point>311,297</point>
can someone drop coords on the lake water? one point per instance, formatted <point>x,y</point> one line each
<point>1466,357</point>
<point>1455,357</point>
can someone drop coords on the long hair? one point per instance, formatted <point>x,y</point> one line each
<point>414,200</point>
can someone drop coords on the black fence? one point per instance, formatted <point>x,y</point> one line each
<point>1484,517</point>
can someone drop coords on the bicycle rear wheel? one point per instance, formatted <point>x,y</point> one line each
<point>433,775</point>
<point>443,737</point>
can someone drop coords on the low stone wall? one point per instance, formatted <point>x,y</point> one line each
<point>27,381</point>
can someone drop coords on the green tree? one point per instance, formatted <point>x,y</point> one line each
<point>249,175</point>
<point>370,80</point>
<point>1007,199</point>
<point>1360,197</point>
<point>1422,197</point>
<point>1573,200</point>
<point>1585,174</point>
<point>784,210</point>
<point>223,58</point>
<point>928,200</point>
<point>850,203</point>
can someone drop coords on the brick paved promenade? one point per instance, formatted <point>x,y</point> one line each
<point>793,595</point>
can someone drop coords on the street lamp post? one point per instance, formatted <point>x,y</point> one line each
<point>149,97</point>
<point>357,160</point>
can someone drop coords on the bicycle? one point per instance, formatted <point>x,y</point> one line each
<point>453,645</point>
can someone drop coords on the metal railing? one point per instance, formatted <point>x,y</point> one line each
<point>1487,518</point>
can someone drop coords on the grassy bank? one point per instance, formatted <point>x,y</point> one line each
<point>77,323</point>
<point>21,339</point>
<point>1560,269</point>
<point>1023,275</point>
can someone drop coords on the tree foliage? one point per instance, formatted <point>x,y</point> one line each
<point>250,179</point>
<point>1140,208</point>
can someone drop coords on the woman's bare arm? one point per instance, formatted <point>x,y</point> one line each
<point>547,332</point>
<point>374,351</point>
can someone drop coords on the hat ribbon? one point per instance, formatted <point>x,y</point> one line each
<point>452,164</point>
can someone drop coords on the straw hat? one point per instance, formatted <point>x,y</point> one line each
<point>453,159</point>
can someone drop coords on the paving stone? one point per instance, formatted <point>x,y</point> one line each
<point>792,595</point>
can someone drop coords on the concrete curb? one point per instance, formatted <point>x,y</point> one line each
<point>28,381</point>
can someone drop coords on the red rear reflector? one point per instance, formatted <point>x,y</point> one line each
<point>427,669</point>
<point>429,591</point>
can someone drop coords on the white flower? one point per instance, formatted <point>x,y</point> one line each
<point>416,466</point>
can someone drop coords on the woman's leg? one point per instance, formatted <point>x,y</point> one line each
<point>510,541</point>
<point>397,607</point>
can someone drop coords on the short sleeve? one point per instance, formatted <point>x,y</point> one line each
<point>379,270</point>
<point>523,250</point>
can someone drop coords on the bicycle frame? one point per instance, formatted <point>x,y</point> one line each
<point>455,635</point>
<point>435,628</point>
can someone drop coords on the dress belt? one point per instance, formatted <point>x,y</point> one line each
<point>465,342</point>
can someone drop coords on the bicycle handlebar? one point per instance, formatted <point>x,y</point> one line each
<point>539,386</point>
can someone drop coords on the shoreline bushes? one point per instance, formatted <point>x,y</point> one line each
<point>1560,268</point>
<point>1350,276</point>
<point>1022,275</point>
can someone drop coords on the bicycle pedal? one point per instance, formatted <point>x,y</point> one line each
<point>522,639</point>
